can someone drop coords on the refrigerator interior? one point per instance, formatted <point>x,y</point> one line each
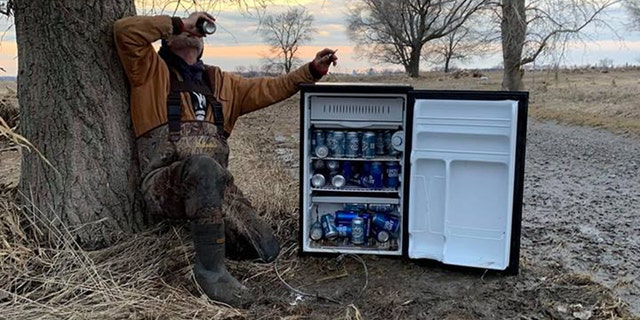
<point>378,114</point>
<point>462,181</point>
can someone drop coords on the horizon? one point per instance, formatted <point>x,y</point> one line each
<point>236,45</point>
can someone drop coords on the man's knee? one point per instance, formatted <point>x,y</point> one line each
<point>202,168</point>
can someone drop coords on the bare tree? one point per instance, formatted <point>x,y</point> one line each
<point>285,32</point>
<point>74,108</point>
<point>541,27</point>
<point>633,7</point>
<point>395,31</point>
<point>461,44</point>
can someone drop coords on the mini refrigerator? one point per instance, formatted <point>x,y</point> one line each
<point>420,174</point>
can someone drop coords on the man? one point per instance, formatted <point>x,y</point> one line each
<point>182,113</point>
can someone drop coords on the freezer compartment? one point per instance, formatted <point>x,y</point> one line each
<point>329,227</point>
<point>357,109</point>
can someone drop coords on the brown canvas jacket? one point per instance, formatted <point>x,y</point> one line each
<point>149,79</point>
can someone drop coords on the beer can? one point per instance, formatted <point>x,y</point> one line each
<point>387,222</point>
<point>353,145</point>
<point>392,174</point>
<point>355,207</point>
<point>205,27</point>
<point>368,145</point>
<point>338,181</point>
<point>346,217</point>
<point>382,236</point>
<point>333,166</point>
<point>318,165</point>
<point>362,180</point>
<point>357,231</point>
<point>344,230</point>
<point>397,141</point>
<point>336,144</point>
<point>380,150</point>
<point>328,227</point>
<point>317,139</point>
<point>366,168</point>
<point>315,233</point>
<point>318,180</point>
<point>387,142</point>
<point>322,151</point>
<point>347,170</point>
<point>377,175</point>
<point>381,207</point>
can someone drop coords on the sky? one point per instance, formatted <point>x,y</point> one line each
<point>238,43</point>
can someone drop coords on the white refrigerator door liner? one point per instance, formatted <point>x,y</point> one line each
<point>462,178</point>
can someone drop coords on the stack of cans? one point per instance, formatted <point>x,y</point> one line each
<point>353,144</point>
<point>370,175</point>
<point>360,225</point>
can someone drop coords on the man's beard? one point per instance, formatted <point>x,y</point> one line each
<point>187,42</point>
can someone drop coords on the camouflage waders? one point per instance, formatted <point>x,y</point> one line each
<point>188,179</point>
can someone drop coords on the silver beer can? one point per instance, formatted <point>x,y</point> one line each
<point>315,233</point>
<point>333,165</point>
<point>318,165</point>
<point>357,231</point>
<point>318,180</point>
<point>368,145</point>
<point>352,145</point>
<point>336,144</point>
<point>322,151</point>
<point>338,181</point>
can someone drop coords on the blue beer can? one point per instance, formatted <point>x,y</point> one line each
<point>368,145</point>
<point>366,168</point>
<point>347,170</point>
<point>381,207</point>
<point>388,222</point>
<point>344,230</point>
<point>345,217</point>
<point>377,175</point>
<point>352,145</point>
<point>362,180</point>
<point>355,207</point>
<point>387,141</point>
<point>337,144</point>
<point>380,150</point>
<point>392,174</point>
<point>328,227</point>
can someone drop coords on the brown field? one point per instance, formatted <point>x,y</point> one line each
<point>147,275</point>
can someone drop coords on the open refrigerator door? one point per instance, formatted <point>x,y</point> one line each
<point>466,179</point>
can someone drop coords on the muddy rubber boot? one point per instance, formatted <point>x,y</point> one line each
<point>250,236</point>
<point>209,268</point>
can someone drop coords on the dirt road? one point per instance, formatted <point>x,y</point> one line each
<point>582,205</point>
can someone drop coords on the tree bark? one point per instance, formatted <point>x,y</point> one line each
<point>413,68</point>
<point>74,108</point>
<point>513,29</point>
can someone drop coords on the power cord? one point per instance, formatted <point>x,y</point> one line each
<point>317,295</point>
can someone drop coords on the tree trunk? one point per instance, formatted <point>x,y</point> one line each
<point>447,61</point>
<point>74,108</point>
<point>514,29</point>
<point>413,68</point>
